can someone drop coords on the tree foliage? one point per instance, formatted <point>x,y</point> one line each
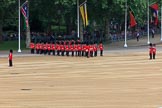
<point>45,14</point>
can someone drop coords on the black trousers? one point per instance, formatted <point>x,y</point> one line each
<point>62,53</point>
<point>76,53</point>
<point>154,56</point>
<point>82,53</point>
<point>57,52</point>
<point>67,53</point>
<point>91,53</point>
<point>53,52</point>
<point>79,53</point>
<point>150,56</point>
<point>32,51</point>
<point>72,53</point>
<point>87,54</point>
<point>10,63</point>
<point>95,53</point>
<point>101,52</point>
<point>37,51</point>
<point>49,52</point>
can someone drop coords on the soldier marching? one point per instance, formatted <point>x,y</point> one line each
<point>67,48</point>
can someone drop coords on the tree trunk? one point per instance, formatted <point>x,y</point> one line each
<point>1,31</point>
<point>28,37</point>
<point>81,30</point>
<point>49,27</point>
<point>107,29</point>
<point>1,24</point>
<point>68,25</point>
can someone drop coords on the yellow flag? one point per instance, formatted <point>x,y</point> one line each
<point>86,17</point>
<point>83,11</point>
<point>82,14</point>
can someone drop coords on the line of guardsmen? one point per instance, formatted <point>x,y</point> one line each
<point>61,48</point>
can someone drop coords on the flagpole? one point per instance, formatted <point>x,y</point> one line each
<point>19,50</point>
<point>125,45</point>
<point>78,18</point>
<point>148,30</point>
<point>161,22</point>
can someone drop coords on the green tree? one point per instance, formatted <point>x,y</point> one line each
<point>7,14</point>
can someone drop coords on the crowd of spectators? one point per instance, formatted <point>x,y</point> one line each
<point>95,36</point>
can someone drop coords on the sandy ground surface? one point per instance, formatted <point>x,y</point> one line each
<point>119,79</point>
<point>122,78</point>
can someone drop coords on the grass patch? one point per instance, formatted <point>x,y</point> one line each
<point>7,45</point>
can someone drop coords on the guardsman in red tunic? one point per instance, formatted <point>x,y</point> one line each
<point>154,51</point>
<point>75,49</point>
<point>45,48</point>
<point>67,49</point>
<point>79,49</point>
<point>53,48</point>
<point>101,48</point>
<point>95,50</point>
<point>91,50</point>
<point>72,49</point>
<point>49,48</point>
<point>37,48</point>
<point>58,48</point>
<point>150,51</point>
<point>32,46</point>
<point>87,50</point>
<point>41,48</point>
<point>84,49</point>
<point>62,48</point>
<point>10,58</point>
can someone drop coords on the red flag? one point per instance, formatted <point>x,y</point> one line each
<point>132,20</point>
<point>155,8</point>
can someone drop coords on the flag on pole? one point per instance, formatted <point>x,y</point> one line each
<point>132,18</point>
<point>155,8</point>
<point>83,11</point>
<point>24,11</point>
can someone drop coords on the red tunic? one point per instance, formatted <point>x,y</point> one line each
<point>79,47</point>
<point>32,45</point>
<point>94,48</point>
<point>150,50</point>
<point>87,48</point>
<point>58,47</point>
<point>48,47</point>
<point>52,47</point>
<point>154,50</point>
<point>37,46</point>
<point>40,46</point>
<point>71,48</point>
<point>10,56</point>
<point>44,47</point>
<point>101,46</point>
<point>75,47</point>
<point>62,48</point>
<point>66,47</point>
<point>91,48</point>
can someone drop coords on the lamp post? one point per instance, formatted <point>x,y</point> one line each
<point>148,27</point>
<point>125,45</point>
<point>19,50</point>
<point>161,21</point>
<point>78,31</point>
